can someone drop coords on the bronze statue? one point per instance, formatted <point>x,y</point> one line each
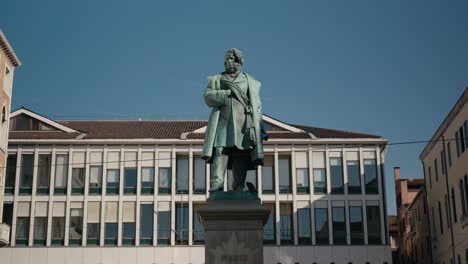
<point>234,136</point>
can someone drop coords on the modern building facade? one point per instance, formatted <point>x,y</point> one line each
<point>413,220</point>
<point>445,161</point>
<point>8,63</point>
<point>129,191</point>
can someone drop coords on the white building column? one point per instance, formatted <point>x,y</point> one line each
<point>277,205</point>
<point>85,199</point>
<point>381,193</point>
<point>292,166</point>
<point>15,197</point>
<point>51,196</point>
<point>190,198</point>
<point>173,191</point>
<point>69,187</point>
<point>33,196</point>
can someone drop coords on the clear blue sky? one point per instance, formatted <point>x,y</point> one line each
<point>392,68</point>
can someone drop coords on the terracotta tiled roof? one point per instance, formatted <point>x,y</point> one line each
<point>42,135</point>
<point>332,133</point>
<point>134,129</point>
<point>165,130</point>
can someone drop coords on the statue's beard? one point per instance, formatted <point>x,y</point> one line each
<point>231,68</point>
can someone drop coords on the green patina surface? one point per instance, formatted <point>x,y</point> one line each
<point>233,196</point>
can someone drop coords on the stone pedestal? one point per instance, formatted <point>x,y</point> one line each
<point>233,224</point>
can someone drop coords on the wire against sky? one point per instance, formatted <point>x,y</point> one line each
<point>342,146</point>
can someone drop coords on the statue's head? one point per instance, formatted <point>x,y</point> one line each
<point>233,60</point>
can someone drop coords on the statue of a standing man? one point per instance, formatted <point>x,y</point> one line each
<point>234,136</point>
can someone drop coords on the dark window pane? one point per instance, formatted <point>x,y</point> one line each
<point>76,226</point>
<point>182,224</point>
<point>199,175</point>
<point>22,230</point>
<point>128,231</point>
<point>40,228</point>
<point>354,177</point>
<point>147,180</point>
<point>10,174</point>
<point>43,176</point>
<point>198,231</point>
<point>370,176</point>
<point>182,173</point>
<point>284,175</point>
<point>110,233</point>
<point>336,176</point>
<point>146,222</point>
<point>356,225</point>
<point>78,180</point>
<point>286,228</point>
<point>130,180</point>
<point>321,226</point>
<point>113,181</point>
<point>22,122</point>
<point>58,228</point>
<point>93,231</point>
<point>303,226</point>
<point>339,225</point>
<point>26,175</point>
<point>269,229</point>
<point>373,225</point>
<point>164,225</point>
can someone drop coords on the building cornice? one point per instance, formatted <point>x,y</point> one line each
<point>447,121</point>
<point>8,50</point>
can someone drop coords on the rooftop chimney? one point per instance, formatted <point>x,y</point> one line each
<point>396,173</point>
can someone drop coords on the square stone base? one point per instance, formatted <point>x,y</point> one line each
<point>233,231</point>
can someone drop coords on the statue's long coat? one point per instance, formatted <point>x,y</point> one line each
<point>215,97</point>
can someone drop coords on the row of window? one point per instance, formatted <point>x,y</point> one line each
<point>368,173</point>
<point>339,230</point>
<point>109,224</point>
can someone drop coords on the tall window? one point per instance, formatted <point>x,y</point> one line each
<point>462,198</point>
<point>449,154</point>
<point>199,175</point>
<point>462,139</point>
<point>130,173</point>
<point>22,224</point>
<point>147,173</point>
<point>146,224</point>
<point>198,233</point>
<point>43,174</point>
<point>356,225</point>
<point>27,166</point>
<point>111,223</point>
<point>442,162</point>
<point>466,192</point>
<point>268,181</point>
<point>370,176</point>
<point>93,226</point>
<point>182,218</point>
<point>320,178</point>
<point>76,223</point>
<point>440,219</point>
<point>113,172</point>
<point>164,223</point>
<point>303,226</point>
<point>354,175</point>
<point>302,172</point>
<point>61,174</point>
<point>373,224</point>
<point>457,140</point>
<point>336,175</point>
<point>40,224</point>
<point>10,174</point>
<point>454,206</point>
<point>165,173</point>
<point>436,170</point>
<point>95,173</point>
<point>58,224</point>
<point>339,225</point>
<point>429,170</point>
<point>78,173</point>
<point>182,174</point>
<point>447,214</point>
<point>269,229</point>
<point>129,223</point>
<point>7,217</point>
<point>284,164</point>
<point>286,227</point>
<point>321,226</point>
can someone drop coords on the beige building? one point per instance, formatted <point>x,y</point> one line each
<point>129,191</point>
<point>8,63</point>
<point>445,161</point>
<point>413,220</point>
